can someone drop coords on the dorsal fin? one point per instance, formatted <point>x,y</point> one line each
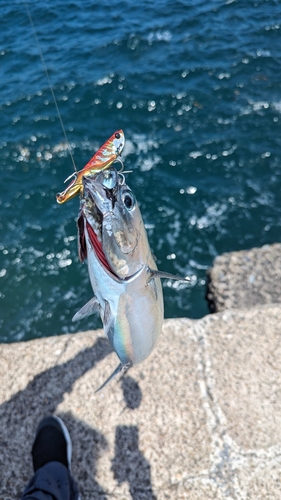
<point>116,371</point>
<point>120,368</point>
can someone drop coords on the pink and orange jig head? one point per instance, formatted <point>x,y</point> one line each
<point>103,158</point>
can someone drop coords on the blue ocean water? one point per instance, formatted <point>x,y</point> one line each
<point>196,87</point>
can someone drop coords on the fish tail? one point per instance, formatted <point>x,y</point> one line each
<point>116,371</point>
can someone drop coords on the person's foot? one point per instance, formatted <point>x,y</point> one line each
<point>52,443</point>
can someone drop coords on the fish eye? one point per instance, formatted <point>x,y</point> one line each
<point>129,200</point>
<point>117,135</point>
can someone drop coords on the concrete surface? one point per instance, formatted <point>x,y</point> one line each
<point>245,279</point>
<point>199,419</point>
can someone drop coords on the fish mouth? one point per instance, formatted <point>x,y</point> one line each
<point>90,211</point>
<point>97,246</point>
<point>83,226</point>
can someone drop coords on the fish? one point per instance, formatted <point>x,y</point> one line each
<point>122,269</point>
<point>103,158</point>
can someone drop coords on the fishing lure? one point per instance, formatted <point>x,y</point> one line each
<point>104,157</point>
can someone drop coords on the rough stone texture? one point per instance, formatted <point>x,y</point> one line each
<point>200,419</point>
<point>245,279</point>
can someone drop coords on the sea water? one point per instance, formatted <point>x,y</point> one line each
<point>196,87</point>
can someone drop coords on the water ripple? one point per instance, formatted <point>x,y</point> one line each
<point>200,108</point>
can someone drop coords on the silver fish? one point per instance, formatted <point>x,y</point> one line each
<point>122,270</point>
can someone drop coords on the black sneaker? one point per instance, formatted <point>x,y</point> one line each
<point>52,443</point>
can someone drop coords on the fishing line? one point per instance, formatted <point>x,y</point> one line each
<point>49,81</point>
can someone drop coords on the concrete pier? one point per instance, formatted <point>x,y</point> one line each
<point>199,419</point>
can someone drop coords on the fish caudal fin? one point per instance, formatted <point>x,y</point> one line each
<point>120,368</point>
<point>161,274</point>
<point>90,308</point>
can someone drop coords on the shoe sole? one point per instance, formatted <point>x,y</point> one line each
<point>68,440</point>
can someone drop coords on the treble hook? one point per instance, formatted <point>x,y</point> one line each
<point>122,164</point>
<point>74,174</point>
<point>122,171</point>
<point>122,178</point>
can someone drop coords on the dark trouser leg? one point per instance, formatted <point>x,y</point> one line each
<point>53,481</point>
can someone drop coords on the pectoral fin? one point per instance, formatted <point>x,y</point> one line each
<point>90,308</point>
<point>161,274</point>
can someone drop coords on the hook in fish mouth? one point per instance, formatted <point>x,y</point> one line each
<point>107,179</point>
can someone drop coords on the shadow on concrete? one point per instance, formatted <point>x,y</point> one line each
<point>20,416</point>
<point>88,444</point>
<point>129,465</point>
<point>132,392</point>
